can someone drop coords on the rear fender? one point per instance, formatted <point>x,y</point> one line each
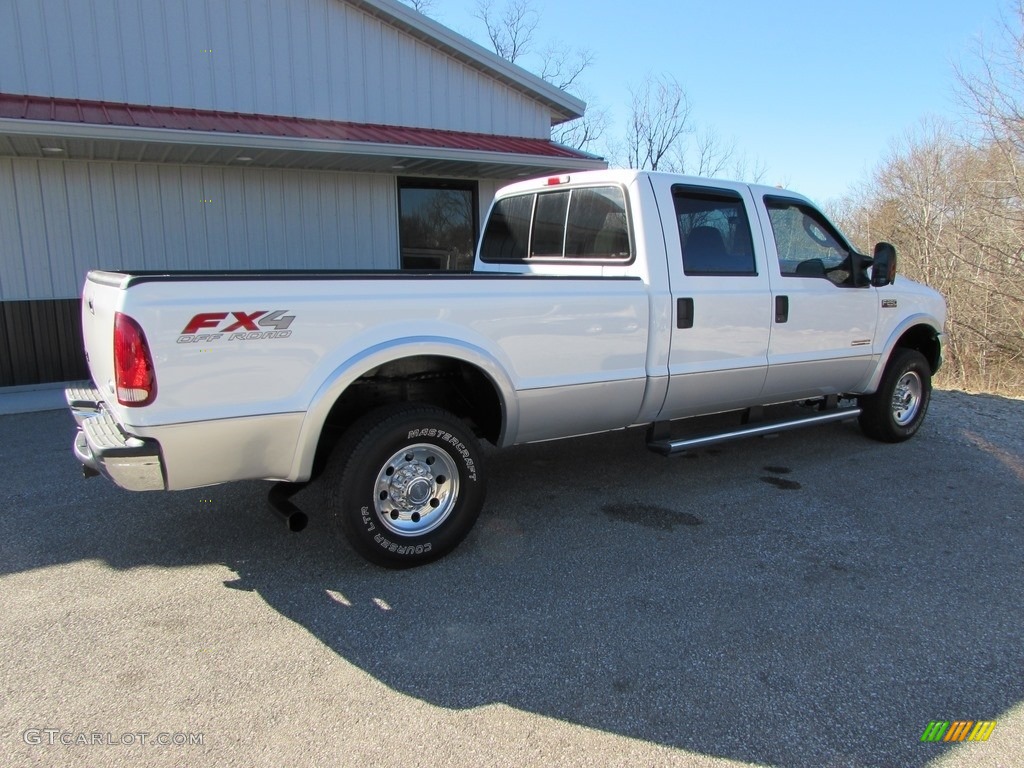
<point>345,374</point>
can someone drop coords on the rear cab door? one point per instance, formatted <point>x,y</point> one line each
<point>824,309</point>
<point>721,296</point>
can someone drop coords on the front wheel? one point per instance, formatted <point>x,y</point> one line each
<point>405,484</point>
<point>895,412</point>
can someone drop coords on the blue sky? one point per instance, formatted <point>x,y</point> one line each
<point>816,91</point>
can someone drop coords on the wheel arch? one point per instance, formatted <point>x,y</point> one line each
<point>919,332</point>
<point>415,369</point>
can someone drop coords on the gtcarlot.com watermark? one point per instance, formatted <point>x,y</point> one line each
<point>52,737</point>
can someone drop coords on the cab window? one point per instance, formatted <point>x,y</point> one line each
<point>807,244</point>
<point>582,224</point>
<point>714,232</point>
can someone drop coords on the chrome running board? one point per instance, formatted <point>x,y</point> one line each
<point>670,447</point>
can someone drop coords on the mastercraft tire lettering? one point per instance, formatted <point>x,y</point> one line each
<point>405,484</point>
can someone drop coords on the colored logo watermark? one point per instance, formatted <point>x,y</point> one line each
<point>958,730</point>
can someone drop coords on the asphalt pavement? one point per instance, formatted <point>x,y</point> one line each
<point>812,599</point>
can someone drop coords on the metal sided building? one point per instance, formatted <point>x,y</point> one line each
<point>243,134</point>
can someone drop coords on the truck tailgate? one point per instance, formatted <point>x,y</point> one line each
<point>101,298</point>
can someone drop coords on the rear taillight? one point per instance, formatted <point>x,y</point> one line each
<point>133,365</point>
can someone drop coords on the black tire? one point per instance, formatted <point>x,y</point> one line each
<point>895,411</point>
<point>428,467</point>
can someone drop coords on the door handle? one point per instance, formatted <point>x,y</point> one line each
<point>781,309</point>
<point>684,313</point>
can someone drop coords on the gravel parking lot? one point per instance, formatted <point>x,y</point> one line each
<point>813,599</point>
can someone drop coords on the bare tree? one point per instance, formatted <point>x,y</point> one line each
<point>563,66</point>
<point>707,153</point>
<point>662,135</point>
<point>510,29</point>
<point>941,199</point>
<point>582,133</point>
<point>659,119</point>
<point>713,154</point>
<point>993,90</point>
<point>954,206</point>
<point>585,132</point>
<point>426,7</point>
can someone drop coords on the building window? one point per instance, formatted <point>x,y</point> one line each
<point>437,224</point>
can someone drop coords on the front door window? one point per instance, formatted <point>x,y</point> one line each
<point>807,245</point>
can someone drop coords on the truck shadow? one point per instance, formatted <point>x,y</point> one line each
<point>688,603</point>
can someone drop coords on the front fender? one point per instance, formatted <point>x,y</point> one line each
<point>358,365</point>
<point>897,333</point>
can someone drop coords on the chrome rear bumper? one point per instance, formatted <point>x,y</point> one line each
<point>103,446</point>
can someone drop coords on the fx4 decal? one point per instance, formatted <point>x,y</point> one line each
<point>236,326</point>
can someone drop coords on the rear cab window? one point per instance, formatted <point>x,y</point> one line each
<point>580,224</point>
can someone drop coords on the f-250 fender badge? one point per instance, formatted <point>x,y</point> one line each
<point>889,303</point>
<point>209,327</point>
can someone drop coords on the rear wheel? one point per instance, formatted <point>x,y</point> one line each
<point>895,412</point>
<point>405,484</point>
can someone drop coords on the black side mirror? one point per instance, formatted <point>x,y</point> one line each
<point>883,268</point>
<point>859,264</point>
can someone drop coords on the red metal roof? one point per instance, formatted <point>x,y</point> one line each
<point>211,121</point>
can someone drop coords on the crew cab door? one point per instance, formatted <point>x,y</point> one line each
<point>720,298</point>
<point>825,310</point>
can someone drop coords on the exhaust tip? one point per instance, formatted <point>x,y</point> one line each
<point>279,500</point>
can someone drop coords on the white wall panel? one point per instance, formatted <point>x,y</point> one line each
<point>134,61</point>
<point>338,82</point>
<point>172,217</point>
<point>256,81</point>
<point>320,57</point>
<point>29,205</point>
<point>105,215</point>
<point>13,280</point>
<point>159,58</point>
<point>151,213</point>
<point>110,61</point>
<point>57,226</point>
<point>83,247</point>
<point>305,58</point>
<point>128,212</point>
<point>59,219</point>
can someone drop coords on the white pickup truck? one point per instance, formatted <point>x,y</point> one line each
<point>598,301</point>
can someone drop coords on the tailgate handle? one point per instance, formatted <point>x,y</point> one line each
<point>684,313</point>
<point>781,309</point>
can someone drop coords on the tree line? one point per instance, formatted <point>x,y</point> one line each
<point>950,197</point>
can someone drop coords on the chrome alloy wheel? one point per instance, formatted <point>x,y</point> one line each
<point>416,490</point>
<point>906,398</point>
